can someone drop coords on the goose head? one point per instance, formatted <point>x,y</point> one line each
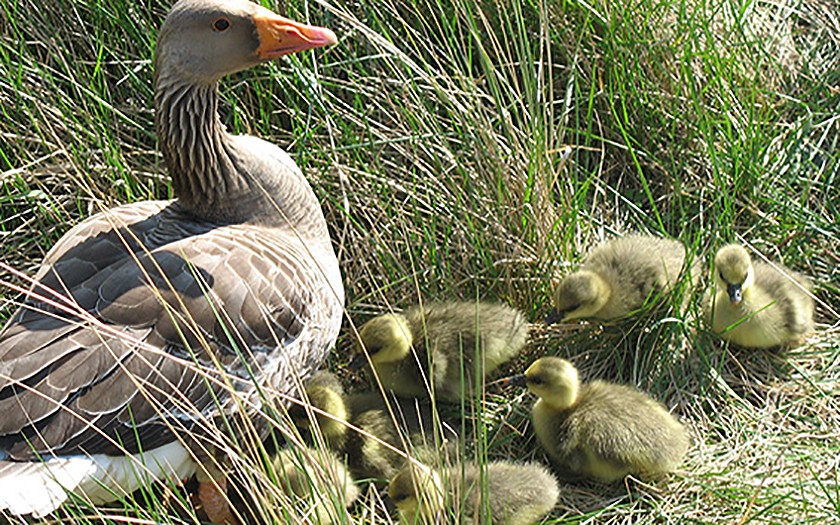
<point>417,488</point>
<point>385,339</point>
<point>205,40</point>
<point>217,176</point>
<point>554,380</point>
<point>581,294</point>
<point>734,272</point>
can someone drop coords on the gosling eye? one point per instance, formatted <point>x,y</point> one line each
<point>221,24</point>
<point>536,380</point>
<point>374,349</point>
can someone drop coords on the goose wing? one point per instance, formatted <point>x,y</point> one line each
<point>152,327</point>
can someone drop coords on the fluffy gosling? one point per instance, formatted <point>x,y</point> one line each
<point>413,429</point>
<point>325,393</point>
<point>362,428</point>
<point>517,494</point>
<point>618,276</point>
<point>600,430</point>
<point>756,305</point>
<point>316,482</point>
<point>431,348</point>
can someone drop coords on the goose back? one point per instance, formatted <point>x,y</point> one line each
<point>163,298</point>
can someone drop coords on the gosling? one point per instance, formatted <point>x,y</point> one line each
<point>360,427</point>
<point>756,305</point>
<point>517,494</point>
<point>618,277</point>
<point>324,411</point>
<point>433,348</point>
<point>600,430</point>
<point>316,483</point>
<point>380,446</point>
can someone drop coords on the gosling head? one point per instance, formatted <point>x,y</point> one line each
<point>327,400</point>
<point>417,488</point>
<point>581,294</point>
<point>734,271</point>
<point>384,339</point>
<point>554,380</point>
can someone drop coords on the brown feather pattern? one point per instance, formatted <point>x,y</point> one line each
<point>235,291</point>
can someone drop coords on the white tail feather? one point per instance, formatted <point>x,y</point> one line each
<point>38,488</point>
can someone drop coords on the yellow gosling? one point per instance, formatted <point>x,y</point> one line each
<point>434,347</point>
<point>756,305</point>
<point>363,430</point>
<point>600,430</point>
<point>618,276</point>
<point>516,493</point>
<point>324,393</point>
<point>316,482</point>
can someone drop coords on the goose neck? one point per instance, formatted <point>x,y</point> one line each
<point>199,153</point>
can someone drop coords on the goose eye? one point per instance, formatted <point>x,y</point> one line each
<point>221,24</point>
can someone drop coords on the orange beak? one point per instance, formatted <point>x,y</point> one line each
<point>280,36</point>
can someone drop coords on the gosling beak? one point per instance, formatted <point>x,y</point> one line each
<point>518,380</point>
<point>358,362</point>
<point>280,36</point>
<point>735,294</point>
<point>553,317</point>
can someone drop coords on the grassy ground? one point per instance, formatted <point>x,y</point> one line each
<point>434,133</point>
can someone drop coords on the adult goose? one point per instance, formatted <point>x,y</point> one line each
<point>152,321</point>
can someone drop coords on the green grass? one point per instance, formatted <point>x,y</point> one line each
<point>433,135</point>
